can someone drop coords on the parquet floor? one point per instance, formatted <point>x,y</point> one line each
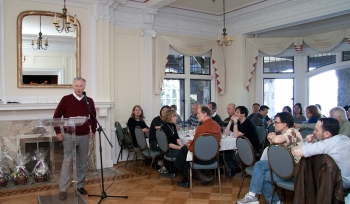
<point>140,189</point>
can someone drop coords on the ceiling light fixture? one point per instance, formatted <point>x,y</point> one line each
<point>226,38</point>
<point>66,21</point>
<point>39,41</point>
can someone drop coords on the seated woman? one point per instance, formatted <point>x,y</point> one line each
<point>298,113</point>
<point>313,113</point>
<point>287,109</point>
<point>260,182</point>
<point>136,119</point>
<point>170,131</point>
<point>156,123</point>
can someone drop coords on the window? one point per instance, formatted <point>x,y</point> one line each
<point>175,64</point>
<point>173,94</point>
<point>320,60</point>
<point>325,94</point>
<point>277,94</point>
<point>278,64</point>
<point>188,80</point>
<point>346,55</point>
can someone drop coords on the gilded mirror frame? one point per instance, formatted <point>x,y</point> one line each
<point>19,50</point>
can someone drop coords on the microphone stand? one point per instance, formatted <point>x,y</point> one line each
<point>103,194</point>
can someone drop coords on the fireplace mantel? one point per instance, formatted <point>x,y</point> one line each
<point>35,111</point>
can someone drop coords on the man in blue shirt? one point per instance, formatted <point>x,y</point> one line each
<point>192,121</point>
<point>329,142</point>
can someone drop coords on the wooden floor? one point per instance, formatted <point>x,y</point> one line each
<point>154,190</point>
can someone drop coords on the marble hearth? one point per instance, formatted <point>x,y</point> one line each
<point>21,119</point>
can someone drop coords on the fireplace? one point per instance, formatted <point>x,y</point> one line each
<point>40,79</point>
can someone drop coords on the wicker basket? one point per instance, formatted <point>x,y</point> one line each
<point>3,182</point>
<point>21,180</point>
<point>40,179</point>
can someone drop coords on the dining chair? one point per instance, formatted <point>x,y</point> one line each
<point>164,148</point>
<point>282,164</point>
<point>205,148</point>
<point>247,158</point>
<point>306,131</point>
<point>130,148</point>
<point>261,130</point>
<point>120,136</point>
<point>143,148</point>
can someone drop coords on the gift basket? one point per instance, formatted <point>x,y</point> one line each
<point>41,171</point>
<point>3,178</point>
<point>20,174</point>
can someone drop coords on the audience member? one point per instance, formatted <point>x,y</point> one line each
<point>156,124</point>
<point>337,113</point>
<point>313,113</point>
<point>213,107</point>
<point>260,118</point>
<point>208,125</point>
<point>169,128</point>
<point>255,109</point>
<point>261,179</point>
<point>136,119</point>
<point>298,114</point>
<point>329,142</point>
<point>287,109</point>
<point>231,108</point>
<point>174,108</point>
<point>193,120</point>
<point>319,107</point>
<point>242,126</point>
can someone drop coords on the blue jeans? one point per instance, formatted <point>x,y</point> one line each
<point>261,181</point>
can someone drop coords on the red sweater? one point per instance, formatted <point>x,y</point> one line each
<point>208,126</point>
<point>70,106</point>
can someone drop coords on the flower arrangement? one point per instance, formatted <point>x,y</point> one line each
<point>41,170</point>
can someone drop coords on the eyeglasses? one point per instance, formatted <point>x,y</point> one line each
<point>277,122</point>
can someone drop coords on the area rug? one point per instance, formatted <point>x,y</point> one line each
<point>49,199</point>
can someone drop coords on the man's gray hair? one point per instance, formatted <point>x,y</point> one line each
<point>78,78</point>
<point>339,112</point>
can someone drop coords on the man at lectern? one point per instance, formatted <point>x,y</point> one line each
<point>75,105</point>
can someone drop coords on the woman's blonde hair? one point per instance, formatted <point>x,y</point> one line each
<point>168,115</point>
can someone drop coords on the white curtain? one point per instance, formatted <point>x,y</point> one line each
<point>273,46</point>
<point>186,46</point>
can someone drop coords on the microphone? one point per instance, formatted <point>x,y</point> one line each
<point>85,99</point>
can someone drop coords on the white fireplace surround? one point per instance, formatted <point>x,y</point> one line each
<point>34,111</point>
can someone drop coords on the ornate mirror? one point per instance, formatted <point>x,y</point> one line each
<point>52,66</point>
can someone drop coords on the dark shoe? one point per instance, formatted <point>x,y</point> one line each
<point>63,196</point>
<point>183,184</point>
<point>169,175</point>
<point>82,191</point>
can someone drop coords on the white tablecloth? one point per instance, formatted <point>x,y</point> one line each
<point>227,143</point>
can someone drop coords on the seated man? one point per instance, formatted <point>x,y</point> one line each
<point>207,126</point>
<point>337,113</point>
<point>242,126</point>
<point>261,117</point>
<point>192,121</point>
<point>331,143</point>
<point>214,115</point>
<point>255,110</point>
<point>231,108</point>
<point>260,182</point>
<point>178,120</point>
